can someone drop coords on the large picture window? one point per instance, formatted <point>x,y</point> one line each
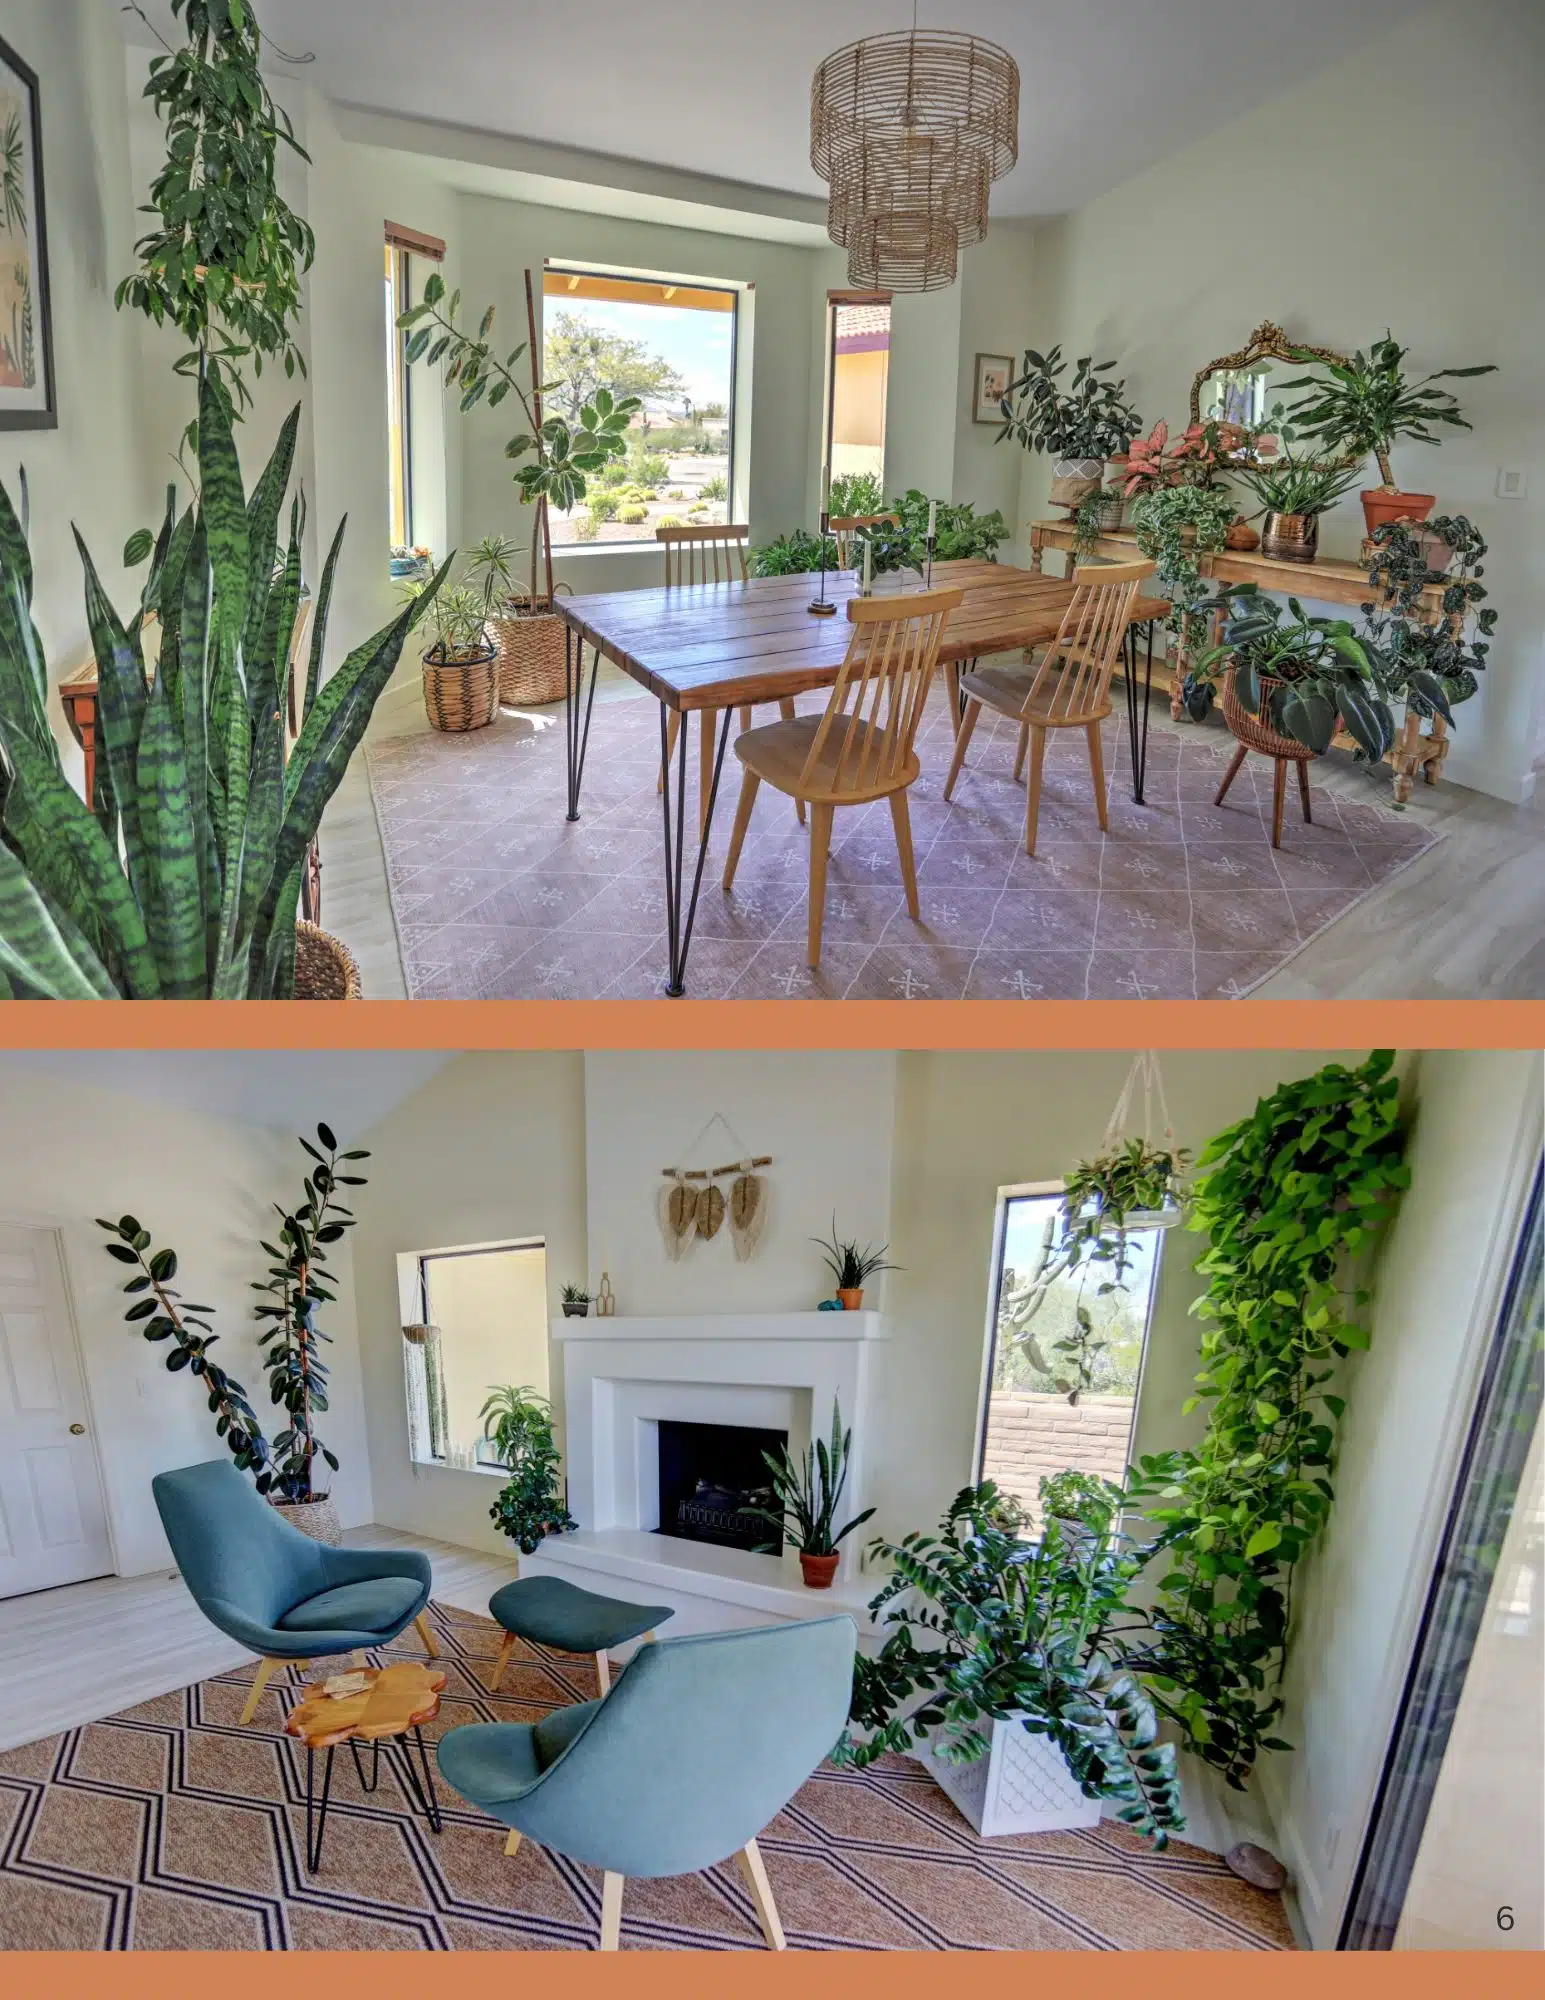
<point>475,1319</point>
<point>1060,1393</point>
<point>858,364</point>
<point>671,343</point>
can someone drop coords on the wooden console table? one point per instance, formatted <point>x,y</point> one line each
<point>1323,582</point>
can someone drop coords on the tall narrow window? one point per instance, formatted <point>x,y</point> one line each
<point>1065,1357</point>
<point>857,385</point>
<point>478,1323</point>
<point>671,343</point>
<point>399,417</point>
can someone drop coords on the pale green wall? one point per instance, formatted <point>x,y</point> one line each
<point>1398,188</point>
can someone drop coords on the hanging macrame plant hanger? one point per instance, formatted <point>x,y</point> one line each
<point>1146,1075</point>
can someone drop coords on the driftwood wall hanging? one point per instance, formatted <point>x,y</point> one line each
<point>694,1207</point>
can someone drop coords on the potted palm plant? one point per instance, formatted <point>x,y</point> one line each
<point>1365,406</point>
<point>851,1266</point>
<point>519,1425</point>
<point>1021,1700</point>
<point>807,1494</point>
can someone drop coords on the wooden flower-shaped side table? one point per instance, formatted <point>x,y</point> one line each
<point>393,1706</point>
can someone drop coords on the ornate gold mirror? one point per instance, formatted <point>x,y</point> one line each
<point>1238,388</point>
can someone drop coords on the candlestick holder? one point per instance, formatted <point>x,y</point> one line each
<point>933,541</point>
<point>822,607</point>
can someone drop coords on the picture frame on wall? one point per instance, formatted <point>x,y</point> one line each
<point>994,373</point>
<point>27,400</point>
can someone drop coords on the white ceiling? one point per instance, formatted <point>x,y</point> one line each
<point>722,87</point>
<point>281,1090</point>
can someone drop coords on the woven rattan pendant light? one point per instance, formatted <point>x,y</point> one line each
<point>910,130</point>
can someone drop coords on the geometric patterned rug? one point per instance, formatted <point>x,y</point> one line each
<point>496,896</point>
<point>172,1827</point>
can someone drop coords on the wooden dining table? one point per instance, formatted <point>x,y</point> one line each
<point>712,649</point>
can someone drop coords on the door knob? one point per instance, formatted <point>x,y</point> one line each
<point>77,1430</point>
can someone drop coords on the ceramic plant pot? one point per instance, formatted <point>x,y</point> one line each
<point>317,1519</point>
<point>1291,537</point>
<point>1022,1785</point>
<point>818,1570</point>
<point>852,1300</point>
<point>573,1310</point>
<point>1384,504</point>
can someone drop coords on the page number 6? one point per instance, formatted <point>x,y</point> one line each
<point>1505,1917</point>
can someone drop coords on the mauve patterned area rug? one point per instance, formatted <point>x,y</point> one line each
<point>496,897</point>
<point>171,1827</point>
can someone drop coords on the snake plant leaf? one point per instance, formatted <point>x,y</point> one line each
<point>263,512</point>
<point>73,864</point>
<point>225,512</point>
<point>15,556</point>
<point>237,758</point>
<point>168,604</point>
<point>324,605</point>
<point>174,911</point>
<point>264,816</point>
<point>278,972</point>
<point>121,701</point>
<point>22,657</point>
<point>193,622</point>
<point>40,949</point>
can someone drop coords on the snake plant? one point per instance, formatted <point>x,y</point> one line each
<point>181,879</point>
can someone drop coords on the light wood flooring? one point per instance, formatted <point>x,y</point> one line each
<point>72,1655</point>
<point>1465,921</point>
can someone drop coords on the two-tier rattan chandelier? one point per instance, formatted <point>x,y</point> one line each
<point>910,130</point>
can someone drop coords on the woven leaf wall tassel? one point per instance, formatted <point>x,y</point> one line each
<point>678,1216</point>
<point>748,1212</point>
<point>710,1213</point>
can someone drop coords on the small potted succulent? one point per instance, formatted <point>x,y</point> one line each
<point>1080,428</point>
<point>1363,407</point>
<point>851,1266</point>
<point>1293,493</point>
<point>807,1493</point>
<point>576,1302</point>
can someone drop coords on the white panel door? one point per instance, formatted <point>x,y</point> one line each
<point>52,1526</point>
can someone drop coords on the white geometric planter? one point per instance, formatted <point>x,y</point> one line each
<point>1023,1785</point>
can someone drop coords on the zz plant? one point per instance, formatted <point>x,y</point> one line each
<point>184,881</point>
<point>1288,1199</point>
<point>227,258</point>
<point>1018,1631</point>
<point>298,1283</point>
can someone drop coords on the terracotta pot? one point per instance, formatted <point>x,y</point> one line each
<point>1241,537</point>
<point>1291,537</point>
<point>1383,504</point>
<point>818,1570</point>
<point>852,1301</point>
<point>317,1518</point>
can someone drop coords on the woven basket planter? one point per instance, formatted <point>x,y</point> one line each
<point>324,968</point>
<point>531,656</point>
<point>317,1519</point>
<point>1254,731</point>
<point>462,694</point>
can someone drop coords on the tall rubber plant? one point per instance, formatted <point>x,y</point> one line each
<point>181,880</point>
<point>1292,1199</point>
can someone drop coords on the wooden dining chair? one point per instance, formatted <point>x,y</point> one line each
<point>845,527</point>
<point>696,556</point>
<point>1069,689</point>
<point>860,749</point>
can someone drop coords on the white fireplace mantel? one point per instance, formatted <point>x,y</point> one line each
<point>823,1326</point>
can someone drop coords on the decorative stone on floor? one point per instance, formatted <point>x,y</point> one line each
<point>172,1827</point>
<point>497,897</point>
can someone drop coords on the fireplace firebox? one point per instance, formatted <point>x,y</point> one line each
<point>712,1478</point>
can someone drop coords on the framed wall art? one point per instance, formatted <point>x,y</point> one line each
<point>26,326</point>
<point>994,372</point>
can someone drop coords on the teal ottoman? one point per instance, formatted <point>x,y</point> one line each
<point>546,1611</point>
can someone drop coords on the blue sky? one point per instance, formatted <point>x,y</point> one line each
<point>696,344</point>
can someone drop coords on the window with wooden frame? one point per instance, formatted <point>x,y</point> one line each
<point>673,343</point>
<point>399,398</point>
<point>858,356</point>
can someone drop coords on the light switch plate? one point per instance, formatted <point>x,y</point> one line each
<point>1512,484</point>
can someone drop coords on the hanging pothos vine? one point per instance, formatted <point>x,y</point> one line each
<point>1288,1199</point>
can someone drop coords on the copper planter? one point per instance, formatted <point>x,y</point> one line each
<point>1291,537</point>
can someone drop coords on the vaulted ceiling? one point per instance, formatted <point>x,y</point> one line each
<point>721,87</point>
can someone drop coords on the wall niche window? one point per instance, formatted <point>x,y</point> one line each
<point>672,343</point>
<point>1059,1396</point>
<point>474,1320</point>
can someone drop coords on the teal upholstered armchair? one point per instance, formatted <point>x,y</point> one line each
<point>271,1588</point>
<point>701,1742</point>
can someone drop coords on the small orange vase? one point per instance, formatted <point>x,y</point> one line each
<point>818,1570</point>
